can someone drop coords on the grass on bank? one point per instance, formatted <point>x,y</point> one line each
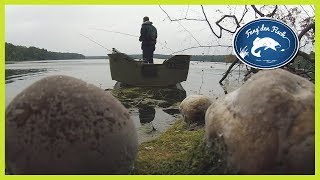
<point>180,151</point>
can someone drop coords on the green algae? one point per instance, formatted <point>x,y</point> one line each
<point>134,97</point>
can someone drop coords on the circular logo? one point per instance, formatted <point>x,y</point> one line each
<point>265,43</point>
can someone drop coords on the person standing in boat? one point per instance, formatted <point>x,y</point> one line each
<point>148,37</point>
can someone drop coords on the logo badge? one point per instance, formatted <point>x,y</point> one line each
<point>265,44</point>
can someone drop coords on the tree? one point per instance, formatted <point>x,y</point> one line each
<point>230,18</point>
<point>22,53</point>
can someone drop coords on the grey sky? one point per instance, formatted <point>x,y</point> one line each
<point>58,28</point>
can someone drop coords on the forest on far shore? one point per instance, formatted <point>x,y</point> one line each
<point>23,53</point>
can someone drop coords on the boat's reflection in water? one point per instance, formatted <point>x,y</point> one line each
<point>153,109</point>
<point>146,116</point>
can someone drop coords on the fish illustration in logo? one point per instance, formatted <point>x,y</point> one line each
<point>263,42</point>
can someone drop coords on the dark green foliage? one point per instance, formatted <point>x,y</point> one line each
<point>22,53</point>
<point>305,68</point>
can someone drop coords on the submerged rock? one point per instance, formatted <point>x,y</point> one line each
<point>171,110</point>
<point>194,107</point>
<point>62,125</point>
<point>267,124</point>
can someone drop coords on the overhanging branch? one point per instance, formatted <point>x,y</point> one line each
<point>305,30</point>
<point>263,15</point>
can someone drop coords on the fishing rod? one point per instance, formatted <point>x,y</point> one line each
<point>161,43</point>
<point>115,32</point>
<point>96,42</point>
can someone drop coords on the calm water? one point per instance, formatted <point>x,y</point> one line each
<point>203,79</point>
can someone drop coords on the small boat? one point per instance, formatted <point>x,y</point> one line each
<point>126,70</point>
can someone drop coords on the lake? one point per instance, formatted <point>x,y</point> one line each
<point>203,78</point>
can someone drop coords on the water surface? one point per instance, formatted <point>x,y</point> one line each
<point>203,79</point>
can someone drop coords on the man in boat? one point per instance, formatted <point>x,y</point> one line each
<point>148,37</point>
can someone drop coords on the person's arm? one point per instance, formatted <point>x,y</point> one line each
<point>142,34</point>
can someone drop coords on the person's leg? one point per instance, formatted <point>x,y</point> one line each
<point>152,48</point>
<point>149,54</point>
<point>144,53</point>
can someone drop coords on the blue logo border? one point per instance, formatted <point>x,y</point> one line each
<point>282,63</point>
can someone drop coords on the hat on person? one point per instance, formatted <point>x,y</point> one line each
<point>146,18</point>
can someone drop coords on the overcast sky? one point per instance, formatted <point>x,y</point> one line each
<point>58,28</point>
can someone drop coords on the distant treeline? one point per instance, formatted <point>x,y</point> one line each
<point>22,53</point>
<point>134,56</point>
<point>211,58</point>
<point>97,57</point>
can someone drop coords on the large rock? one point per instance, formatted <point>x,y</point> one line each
<point>62,125</point>
<point>194,107</point>
<point>267,124</point>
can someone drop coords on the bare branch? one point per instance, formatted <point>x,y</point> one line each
<point>306,29</point>
<point>257,11</point>
<point>186,12</point>
<point>285,14</point>
<point>201,81</point>
<point>222,28</point>
<point>302,45</point>
<point>304,10</point>
<point>178,20</point>
<point>263,15</point>
<point>189,33</point>
<point>244,13</point>
<point>221,19</point>
<point>181,19</point>
<point>227,72</point>
<point>312,7</point>
<point>209,24</point>
<point>273,12</point>
<point>195,47</point>
<point>205,16</point>
<point>287,9</point>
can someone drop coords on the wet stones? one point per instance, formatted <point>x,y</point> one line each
<point>267,124</point>
<point>194,107</point>
<point>62,125</point>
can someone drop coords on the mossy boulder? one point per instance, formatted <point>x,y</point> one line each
<point>62,125</point>
<point>194,107</point>
<point>267,124</point>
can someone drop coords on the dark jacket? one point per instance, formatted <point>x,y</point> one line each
<point>148,34</point>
